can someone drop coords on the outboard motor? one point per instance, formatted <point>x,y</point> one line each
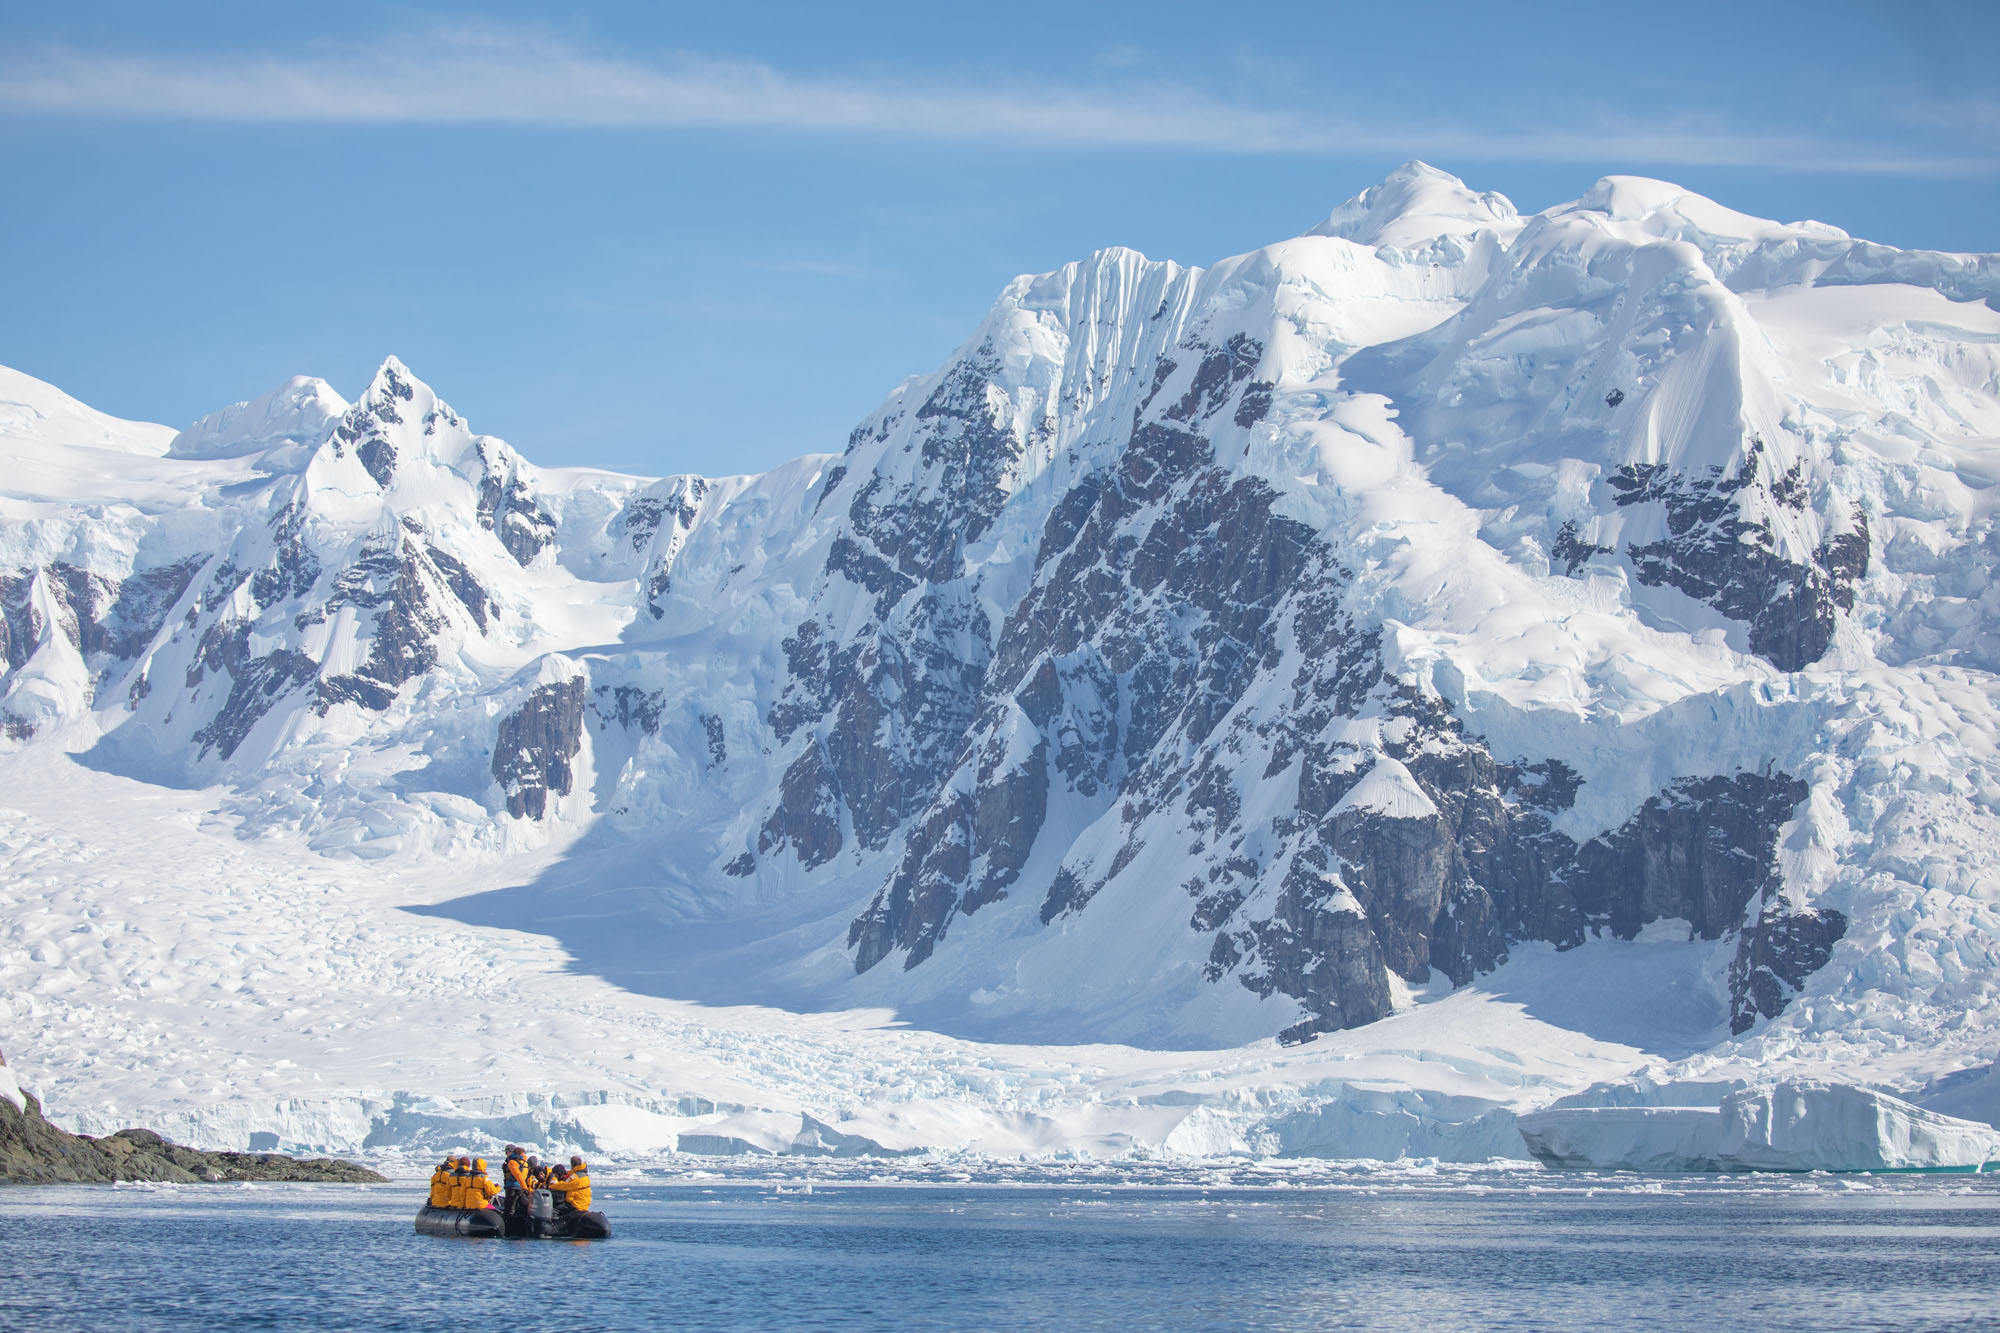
<point>542,1206</point>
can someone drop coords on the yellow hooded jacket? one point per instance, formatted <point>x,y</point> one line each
<point>576,1190</point>
<point>479,1190</point>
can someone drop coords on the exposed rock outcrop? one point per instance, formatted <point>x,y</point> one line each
<point>1142,667</point>
<point>1240,646</point>
<point>508,507</point>
<point>536,743</point>
<point>1775,956</point>
<point>1720,551</point>
<point>35,1152</point>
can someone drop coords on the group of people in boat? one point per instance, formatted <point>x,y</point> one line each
<point>461,1182</point>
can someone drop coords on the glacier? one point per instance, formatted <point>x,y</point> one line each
<point>1333,702</point>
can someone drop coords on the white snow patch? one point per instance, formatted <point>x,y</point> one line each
<point>1388,789</point>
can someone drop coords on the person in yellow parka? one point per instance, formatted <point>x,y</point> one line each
<point>461,1182</point>
<point>441,1184</point>
<point>570,1189</point>
<point>479,1191</point>
<point>579,1173</point>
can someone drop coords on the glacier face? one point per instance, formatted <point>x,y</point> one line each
<point>1199,655</point>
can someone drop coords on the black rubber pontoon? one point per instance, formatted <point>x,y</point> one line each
<point>458,1221</point>
<point>540,1220</point>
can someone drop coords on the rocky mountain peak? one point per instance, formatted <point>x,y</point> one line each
<point>392,380</point>
<point>1293,629</point>
<point>396,396</point>
<point>399,418</point>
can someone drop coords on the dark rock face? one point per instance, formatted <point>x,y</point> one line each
<point>34,1152</point>
<point>1775,956</point>
<point>1317,947</point>
<point>967,449</point>
<point>1182,646</point>
<point>464,586</point>
<point>1443,889</point>
<point>535,744</point>
<point>399,583</point>
<point>508,508</point>
<point>641,520</point>
<point>891,708</point>
<point>1452,890</point>
<point>966,851</point>
<point>292,569</point>
<point>663,517</point>
<point>808,815</point>
<point>631,708</point>
<point>101,617</point>
<point>21,623</point>
<point>1717,555</point>
<point>1699,851</point>
<point>1150,613</point>
<point>1571,552</point>
<point>361,429</point>
<point>256,685</point>
<point>891,705</point>
<point>109,622</point>
<point>1166,594</point>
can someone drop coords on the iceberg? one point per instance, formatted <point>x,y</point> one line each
<point>1784,1126</point>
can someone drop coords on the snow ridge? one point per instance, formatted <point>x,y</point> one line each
<point>1198,656</point>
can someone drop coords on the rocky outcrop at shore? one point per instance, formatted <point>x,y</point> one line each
<point>35,1152</point>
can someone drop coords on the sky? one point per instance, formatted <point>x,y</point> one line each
<point>708,238</point>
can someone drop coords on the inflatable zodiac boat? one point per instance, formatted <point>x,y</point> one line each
<point>541,1221</point>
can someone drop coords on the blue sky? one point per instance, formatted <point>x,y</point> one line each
<point>708,238</point>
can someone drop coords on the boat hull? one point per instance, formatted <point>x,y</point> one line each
<point>491,1222</point>
<point>459,1221</point>
<point>569,1226</point>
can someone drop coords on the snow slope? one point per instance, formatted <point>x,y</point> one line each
<point>262,991</point>
<point>1507,654</point>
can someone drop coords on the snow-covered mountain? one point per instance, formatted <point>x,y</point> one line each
<point>1200,655</point>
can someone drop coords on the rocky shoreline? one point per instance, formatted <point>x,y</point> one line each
<point>35,1152</point>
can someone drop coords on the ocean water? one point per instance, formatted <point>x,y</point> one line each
<point>1383,1250</point>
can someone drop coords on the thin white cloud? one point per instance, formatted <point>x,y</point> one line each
<point>484,77</point>
<point>467,76</point>
<point>1973,117</point>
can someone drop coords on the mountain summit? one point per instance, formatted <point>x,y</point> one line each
<point>1415,205</point>
<point>1197,656</point>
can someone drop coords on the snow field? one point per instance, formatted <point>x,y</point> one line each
<point>223,949</point>
<point>216,987</point>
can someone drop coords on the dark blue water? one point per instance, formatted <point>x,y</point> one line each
<point>1521,1251</point>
